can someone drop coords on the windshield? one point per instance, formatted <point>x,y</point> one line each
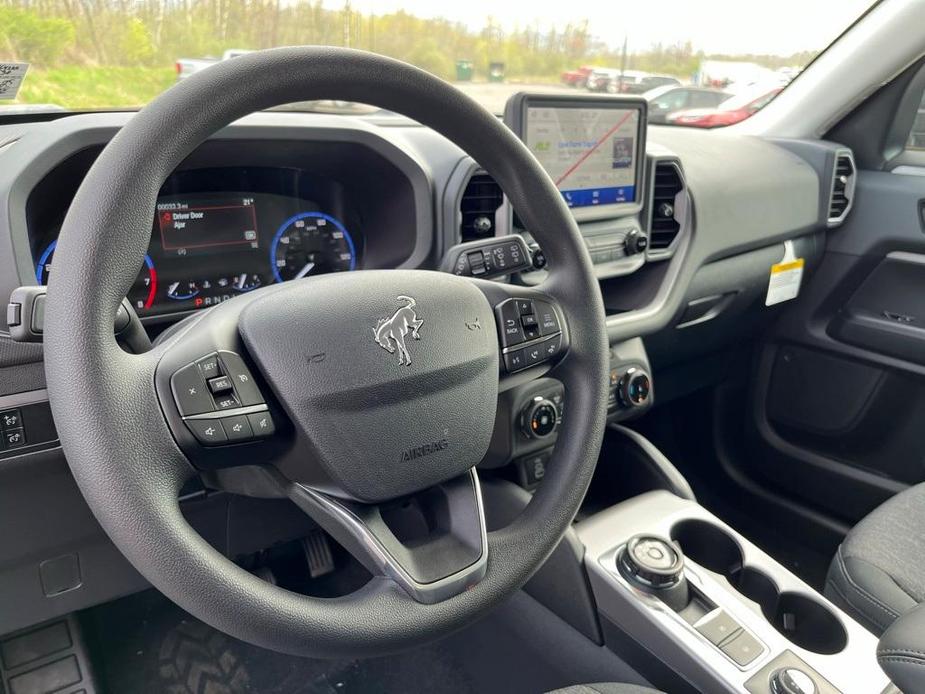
<point>96,54</point>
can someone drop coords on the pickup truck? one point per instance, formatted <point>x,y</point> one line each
<point>187,66</point>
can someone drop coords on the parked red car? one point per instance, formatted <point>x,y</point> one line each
<point>733,110</point>
<point>577,78</point>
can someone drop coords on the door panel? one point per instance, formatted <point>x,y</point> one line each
<point>838,390</point>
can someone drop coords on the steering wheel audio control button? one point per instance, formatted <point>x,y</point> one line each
<point>208,432</point>
<point>261,424</point>
<point>237,428</point>
<point>514,361</point>
<point>190,391</point>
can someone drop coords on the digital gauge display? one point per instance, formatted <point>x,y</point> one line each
<point>210,247</point>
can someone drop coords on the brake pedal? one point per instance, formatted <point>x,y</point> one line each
<point>317,550</point>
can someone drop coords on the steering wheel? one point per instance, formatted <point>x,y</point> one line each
<point>358,420</point>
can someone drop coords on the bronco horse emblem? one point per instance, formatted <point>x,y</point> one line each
<point>390,332</point>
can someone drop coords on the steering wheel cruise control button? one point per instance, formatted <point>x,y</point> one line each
<point>220,384</point>
<point>241,377</point>
<point>190,391</point>
<point>227,401</point>
<point>210,366</point>
<point>208,432</point>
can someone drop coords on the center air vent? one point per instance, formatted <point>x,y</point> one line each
<point>663,226</point>
<point>842,187</point>
<point>480,201</point>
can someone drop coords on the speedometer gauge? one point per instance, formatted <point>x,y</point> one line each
<point>143,290</point>
<point>311,243</point>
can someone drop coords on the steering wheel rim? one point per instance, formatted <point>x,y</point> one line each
<point>122,454</point>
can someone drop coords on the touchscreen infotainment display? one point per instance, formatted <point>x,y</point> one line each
<point>589,151</point>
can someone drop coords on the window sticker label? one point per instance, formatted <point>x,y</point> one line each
<point>11,77</point>
<point>786,277</point>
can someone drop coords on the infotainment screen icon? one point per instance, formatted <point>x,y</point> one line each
<point>591,146</point>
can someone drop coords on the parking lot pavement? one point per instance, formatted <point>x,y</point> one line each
<point>494,95</point>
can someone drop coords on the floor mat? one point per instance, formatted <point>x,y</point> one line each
<point>144,644</point>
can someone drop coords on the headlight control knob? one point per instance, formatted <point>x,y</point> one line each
<point>540,418</point>
<point>634,388</point>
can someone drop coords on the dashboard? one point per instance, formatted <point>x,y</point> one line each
<point>684,228</point>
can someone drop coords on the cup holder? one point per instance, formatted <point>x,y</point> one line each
<point>804,621</point>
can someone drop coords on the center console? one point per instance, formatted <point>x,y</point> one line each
<point>715,610</point>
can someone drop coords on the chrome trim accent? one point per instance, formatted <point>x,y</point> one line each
<point>530,343</point>
<point>428,593</point>
<point>221,414</point>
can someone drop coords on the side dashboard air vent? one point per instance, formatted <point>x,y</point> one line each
<point>842,194</point>
<point>477,207</point>
<point>663,226</point>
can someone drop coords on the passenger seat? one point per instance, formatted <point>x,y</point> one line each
<point>878,572</point>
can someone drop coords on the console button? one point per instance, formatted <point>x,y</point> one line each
<point>11,419</point>
<point>515,360</point>
<point>190,391</point>
<point>718,627</point>
<point>546,318</point>
<point>208,432</point>
<point>240,375</point>
<point>261,424</point>
<point>220,384</point>
<point>528,320</point>
<point>509,328</point>
<point>237,428</point>
<point>743,648</point>
<point>14,438</point>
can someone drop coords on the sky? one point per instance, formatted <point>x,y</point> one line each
<point>776,27</point>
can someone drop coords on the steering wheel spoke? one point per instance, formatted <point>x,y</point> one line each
<point>433,543</point>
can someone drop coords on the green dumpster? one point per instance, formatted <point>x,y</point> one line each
<point>496,72</point>
<point>463,70</point>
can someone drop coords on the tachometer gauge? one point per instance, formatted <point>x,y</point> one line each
<point>141,295</point>
<point>311,243</point>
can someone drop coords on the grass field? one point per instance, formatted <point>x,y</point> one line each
<point>115,87</point>
<point>94,87</point>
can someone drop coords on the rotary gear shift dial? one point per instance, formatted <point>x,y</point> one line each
<point>655,565</point>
